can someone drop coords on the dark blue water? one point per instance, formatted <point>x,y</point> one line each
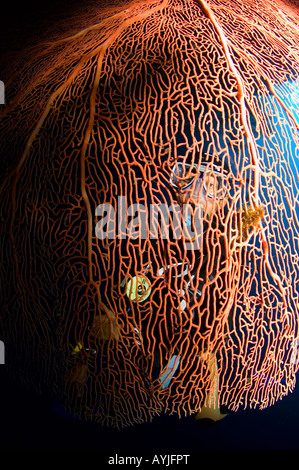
<point>31,422</point>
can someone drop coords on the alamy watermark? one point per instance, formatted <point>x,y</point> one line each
<point>295,352</point>
<point>2,92</point>
<point>137,221</point>
<point>2,353</point>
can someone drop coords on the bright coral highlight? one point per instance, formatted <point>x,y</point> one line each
<point>145,105</point>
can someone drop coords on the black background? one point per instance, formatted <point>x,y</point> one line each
<point>29,421</point>
<point>32,422</point>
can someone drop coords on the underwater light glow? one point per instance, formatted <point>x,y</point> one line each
<point>125,327</point>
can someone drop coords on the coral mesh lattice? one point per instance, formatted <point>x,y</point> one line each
<point>109,134</point>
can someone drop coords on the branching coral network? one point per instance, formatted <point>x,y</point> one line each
<point>113,136</point>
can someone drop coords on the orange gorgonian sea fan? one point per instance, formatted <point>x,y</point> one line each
<point>149,210</point>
